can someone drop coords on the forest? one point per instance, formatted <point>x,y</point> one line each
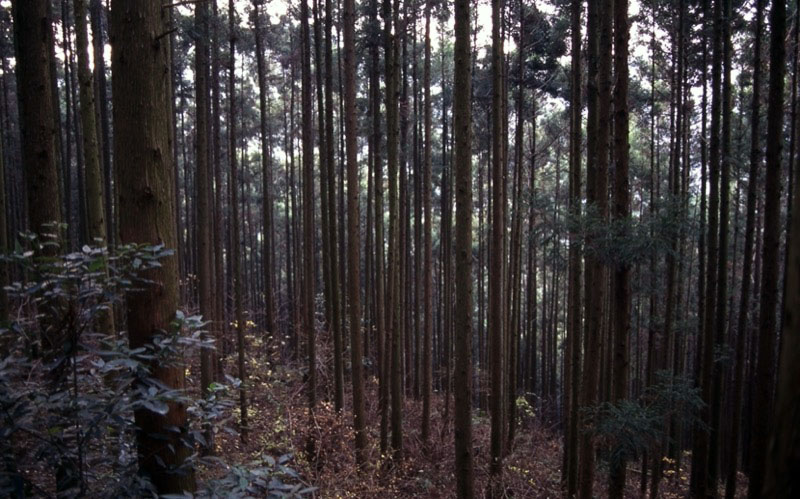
<point>399,248</point>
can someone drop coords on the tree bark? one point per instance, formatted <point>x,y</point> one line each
<point>574,283</point>
<point>353,222</point>
<point>266,172</point>
<point>767,331</point>
<point>427,298</point>
<point>32,37</point>
<point>496,251</point>
<point>235,249</point>
<point>622,215</point>
<point>308,207</point>
<point>744,302</point>
<point>462,124</point>
<point>142,152</point>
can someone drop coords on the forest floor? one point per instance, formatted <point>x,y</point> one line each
<point>280,425</point>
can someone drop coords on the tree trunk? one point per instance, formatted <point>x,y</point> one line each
<point>574,291</point>
<point>336,308</point>
<point>235,247</point>
<point>353,222</point>
<point>392,300</point>
<point>622,215</point>
<point>33,36</point>
<point>767,332</point>
<point>96,216</point>
<point>496,252</point>
<point>782,459</point>
<point>744,302</point>
<point>427,297</point>
<point>144,173</point>
<point>599,49</point>
<point>308,207</point>
<point>699,484</point>
<point>462,124</point>
<point>202,232</point>
<point>266,172</point>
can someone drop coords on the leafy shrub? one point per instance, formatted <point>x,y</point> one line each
<point>69,384</point>
<point>630,427</point>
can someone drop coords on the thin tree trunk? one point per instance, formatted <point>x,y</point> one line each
<point>496,256</point>
<point>266,172</point>
<point>744,302</point>
<point>233,185</point>
<point>392,300</point>
<point>621,309</point>
<point>572,380</point>
<point>353,222</point>
<point>336,307</point>
<point>462,124</point>
<point>427,297</point>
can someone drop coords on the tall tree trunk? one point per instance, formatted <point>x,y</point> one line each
<point>462,124</point>
<point>101,104</point>
<point>496,250</point>
<point>94,175</point>
<point>32,39</point>
<point>782,458</point>
<point>145,176</point>
<point>4,270</point>
<point>744,302</point>
<point>235,247</point>
<point>353,222</point>
<point>621,310</point>
<point>308,206</point>
<point>722,259</point>
<point>216,134</point>
<point>380,299</point>
<point>392,300</point>
<point>266,172</point>
<point>427,297</point>
<point>96,216</point>
<point>574,292</point>
<point>767,332</point>
<point>599,40</point>
<point>699,482</point>
<point>202,232</point>
<point>336,306</point>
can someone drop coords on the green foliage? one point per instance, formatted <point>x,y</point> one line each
<point>628,428</point>
<point>263,477</point>
<point>71,410</point>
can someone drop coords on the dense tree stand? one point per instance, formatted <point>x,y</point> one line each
<point>399,248</point>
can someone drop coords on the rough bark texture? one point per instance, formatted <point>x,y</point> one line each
<point>462,125</point>
<point>597,208</point>
<point>32,37</point>
<point>142,152</point>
